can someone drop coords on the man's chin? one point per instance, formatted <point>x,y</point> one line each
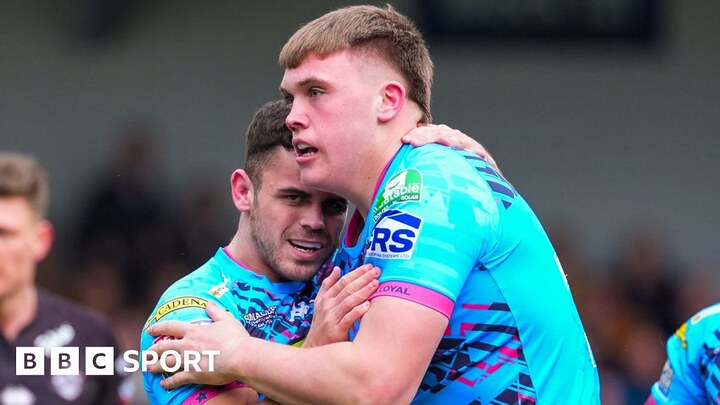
<point>310,178</point>
<point>302,272</point>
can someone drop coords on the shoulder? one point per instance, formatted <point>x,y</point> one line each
<point>441,167</point>
<point>186,299</point>
<point>700,327</point>
<point>204,282</point>
<point>691,338</point>
<point>443,157</point>
<point>708,315</point>
<point>438,176</point>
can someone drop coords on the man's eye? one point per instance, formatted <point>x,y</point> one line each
<point>336,207</point>
<point>315,92</point>
<point>293,198</point>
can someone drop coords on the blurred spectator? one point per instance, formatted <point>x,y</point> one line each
<point>30,316</point>
<point>642,355</point>
<point>646,275</point>
<point>125,220</point>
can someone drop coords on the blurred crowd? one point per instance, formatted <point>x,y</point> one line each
<point>127,243</point>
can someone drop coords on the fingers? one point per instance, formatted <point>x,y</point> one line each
<point>353,315</point>
<point>329,282</point>
<point>362,286</point>
<point>216,313</point>
<point>342,301</point>
<point>424,135</point>
<point>352,300</point>
<point>354,281</point>
<point>168,328</point>
<point>443,135</point>
<point>176,380</point>
<point>161,347</point>
<point>447,136</point>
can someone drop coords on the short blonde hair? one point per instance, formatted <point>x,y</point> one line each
<point>380,31</point>
<point>22,176</point>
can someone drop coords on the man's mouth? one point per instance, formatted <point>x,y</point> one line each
<point>303,149</point>
<point>305,246</point>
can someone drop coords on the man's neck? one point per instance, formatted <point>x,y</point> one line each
<point>17,311</point>
<point>384,150</point>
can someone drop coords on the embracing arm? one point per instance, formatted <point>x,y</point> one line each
<point>384,364</point>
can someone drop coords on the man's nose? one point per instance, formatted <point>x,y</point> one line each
<point>296,119</point>
<point>313,218</point>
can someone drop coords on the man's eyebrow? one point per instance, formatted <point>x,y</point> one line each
<point>292,190</point>
<point>304,83</point>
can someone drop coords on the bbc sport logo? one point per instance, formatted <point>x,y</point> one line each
<point>100,360</point>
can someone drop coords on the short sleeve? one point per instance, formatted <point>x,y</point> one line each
<point>432,219</point>
<point>185,308</point>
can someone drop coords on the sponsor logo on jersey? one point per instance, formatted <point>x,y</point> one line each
<point>402,187</point>
<point>69,387</point>
<point>665,381</point>
<point>175,304</point>
<point>393,289</point>
<point>17,394</point>
<point>680,333</point>
<point>60,336</point>
<point>394,235</point>
<point>299,310</point>
<point>219,290</point>
<point>260,319</point>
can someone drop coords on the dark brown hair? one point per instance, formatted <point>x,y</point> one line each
<point>267,131</point>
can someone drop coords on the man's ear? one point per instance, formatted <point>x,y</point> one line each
<point>392,100</point>
<point>243,191</point>
<point>45,233</point>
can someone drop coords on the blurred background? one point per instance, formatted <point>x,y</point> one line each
<point>603,114</point>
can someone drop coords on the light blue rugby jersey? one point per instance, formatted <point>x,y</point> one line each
<point>279,312</point>
<point>692,372</point>
<point>452,234</point>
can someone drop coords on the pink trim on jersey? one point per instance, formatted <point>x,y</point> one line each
<point>526,398</point>
<point>211,392</point>
<point>475,306</point>
<point>415,293</point>
<point>227,252</point>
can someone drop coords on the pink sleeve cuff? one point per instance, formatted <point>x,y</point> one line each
<point>415,293</point>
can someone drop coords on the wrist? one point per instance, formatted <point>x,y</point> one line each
<point>243,357</point>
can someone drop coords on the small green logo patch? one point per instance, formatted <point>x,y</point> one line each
<point>402,187</point>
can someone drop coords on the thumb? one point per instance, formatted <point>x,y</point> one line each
<point>215,312</point>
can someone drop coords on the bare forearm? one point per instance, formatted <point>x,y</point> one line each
<point>289,375</point>
<point>384,364</point>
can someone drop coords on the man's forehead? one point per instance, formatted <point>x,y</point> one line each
<point>16,210</point>
<point>314,68</point>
